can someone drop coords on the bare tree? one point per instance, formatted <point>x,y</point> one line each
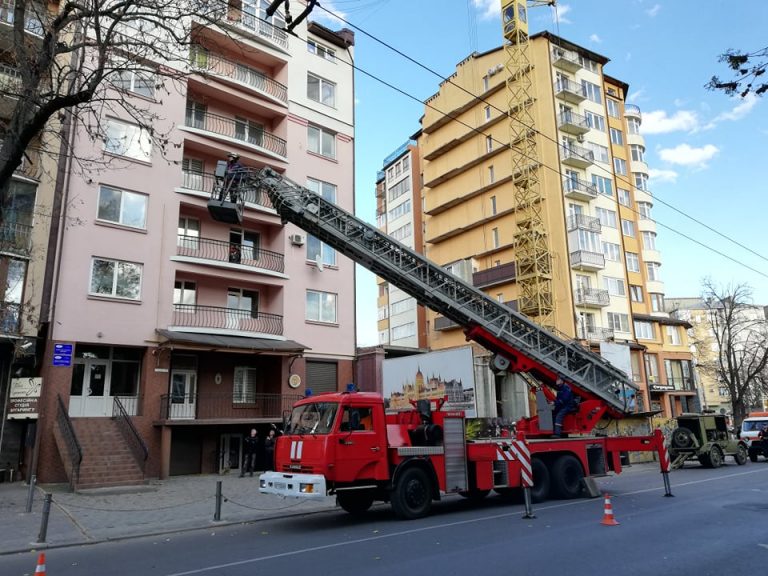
<point>740,331</point>
<point>72,61</point>
<point>747,69</point>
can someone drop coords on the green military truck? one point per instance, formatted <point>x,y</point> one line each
<point>704,437</point>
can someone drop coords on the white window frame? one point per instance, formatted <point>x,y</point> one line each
<point>608,218</point>
<point>615,286</point>
<point>673,335</point>
<point>592,92</point>
<point>624,196</point>
<point>644,210</point>
<point>126,79</point>
<point>649,240</point>
<point>633,261</point>
<point>183,288</point>
<point>618,322</point>
<point>628,228</point>
<point>637,152</point>
<point>134,143</point>
<point>321,50</point>
<point>653,269</point>
<point>611,251</point>
<point>617,137</point>
<point>614,111</point>
<point>124,195</point>
<point>620,166</point>
<point>320,295</point>
<point>322,85</point>
<point>244,384</point>
<point>595,121</point>
<point>644,330</point>
<point>603,185</point>
<point>115,278</point>
<point>323,137</point>
<point>636,291</point>
<point>403,331</point>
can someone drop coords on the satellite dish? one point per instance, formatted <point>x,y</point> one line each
<point>319,262</point>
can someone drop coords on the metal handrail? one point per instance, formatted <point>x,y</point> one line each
<point>585,222</point>
<point>577,185</point>
<point>247,404</point>
<point>130,434</point>
<point>217,317</point>
<point>206,181</point>
<point>222,251</point>
<point>231,128</point>
<point>573,119</point>
<point>252,23</point>
<point>566,85</point>
<point>67,430</point>
<point>204,62</point>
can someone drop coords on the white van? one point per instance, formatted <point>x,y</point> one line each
<point>751,427</point>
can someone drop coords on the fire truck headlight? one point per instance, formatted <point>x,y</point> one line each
<point>307,488</point>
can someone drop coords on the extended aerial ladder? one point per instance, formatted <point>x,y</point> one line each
<point>520,345</point>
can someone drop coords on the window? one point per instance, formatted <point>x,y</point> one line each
<point>673,335</point>
<point>636,293</point>
<point>321,141</point>
<point>585,240</point>
<point>491,175</point>
<point>243,246</point>
<point>620,166</point>
<point>678,374</point>
<point>404,331</point>
<point>321,90</point>
<point>402,233</point>
<point>403,306</point>
<point>617,137</point>
<point>613,108</point>
<point>618,322</point>
<point>652,368</point>
<point>188,233</point>
<point>244,385</point>
<point>595,121</point>
<point>495,233</point>
<point>607,217</point>
<point>644,330</point>
<point>383,313</point>
<point>493,205</point>
<point>107,371</point>
<point>657,302</point>
<point>649,240</point>
<point>588,64</point>
<point>488,144</point>
<point>406,163</point>
<point>592,92</point>
<point>628,228</point>
<point>192,170</point>
<point>487,112</point>
<point>321,307</point>
<point>320,251</point>
<point>356,419</point>
<point>600,152</point>
<point>638,152</point>
<point>641,181</point>
<point>486,83</point>
<point>115,278</point>
<point>633,262</point>
<point>625,199</point>
<point>128,140</point>
<point>141,82</point>
<point>320,50</point>
<point>399,189</point>
<point>249,131</point>
<point>615,286</point>
<point>121,207</point>
<point>612,251</point>
<point>241,304</point>
<point>633,125</point>
<point>195,115</point>
<point>604,185</point>
<point>644,209</point>
<point>399,210</point>
<point>654,271</point>
<point>184,293</point>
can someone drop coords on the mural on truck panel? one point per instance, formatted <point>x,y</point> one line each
<point>432,376</point>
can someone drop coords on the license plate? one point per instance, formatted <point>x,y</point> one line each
<point>280,485</point>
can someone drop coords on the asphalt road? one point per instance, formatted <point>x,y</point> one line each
<point>715,524</point>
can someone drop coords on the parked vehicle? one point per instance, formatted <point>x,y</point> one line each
<point>706,438</point>
<point>751,427</point>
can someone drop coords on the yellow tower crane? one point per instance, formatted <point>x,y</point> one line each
<point>532,251</point>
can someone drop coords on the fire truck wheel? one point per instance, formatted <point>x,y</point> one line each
<point>412,495</point>
<point>541,480</point>
<point>567,475</point>
<point>355,502</point>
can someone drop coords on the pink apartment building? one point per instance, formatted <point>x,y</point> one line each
<point>188,330</point>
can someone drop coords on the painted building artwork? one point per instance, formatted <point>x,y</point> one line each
<point>432,376</point>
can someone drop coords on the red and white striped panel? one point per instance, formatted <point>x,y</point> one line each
<point>517,450</point>
<point>664,458</point>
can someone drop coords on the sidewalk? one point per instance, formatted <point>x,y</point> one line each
<point>179,503</point>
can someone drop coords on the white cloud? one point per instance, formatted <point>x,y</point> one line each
<point>740,110</point>
<point>561,10</point>
<point>487,8</point>
<point>595,38</point>
<point>658,122</point>
<point>686,155</point>
<point>636,95</point>
<point>653,11</point>
<point>323,15</point>
<point>662,175</point>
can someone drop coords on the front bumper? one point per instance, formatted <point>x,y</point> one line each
<point>310,486</point>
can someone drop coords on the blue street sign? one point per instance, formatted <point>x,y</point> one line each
<point>62,360</point>
<point>62,349</point>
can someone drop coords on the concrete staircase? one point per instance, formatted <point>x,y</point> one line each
<point>107,459</point>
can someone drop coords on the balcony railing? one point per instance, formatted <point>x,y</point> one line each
<point>569,91</point>
<point>221,251</point>
<point>586,260</point>
<point>495,275</point>
<point>252,24</point>
<point>219,318</point>
<point>594,334</point>
<point>204,182</point>
<point>584,222</point>
<point>231,128</point>
<point>573,123</point>
<point>681,383</point>
<point>579,189</point>
<point>591,297</point>
<point>632,110</point>
<point>10,318</point>
<point>244,406</point>
<point>210,63</point>
<point>32,18</point>
<point>443,323</point>
<point>566,59</point>
<point>16,238</point>
<point>577,156</point>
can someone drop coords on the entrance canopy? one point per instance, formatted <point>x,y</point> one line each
<point>219,343</point>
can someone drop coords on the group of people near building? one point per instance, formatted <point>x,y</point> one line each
<point>253,449</point>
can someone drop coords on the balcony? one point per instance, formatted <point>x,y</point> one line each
<point>206,62</point>
<point>572,123</point>
<point>224,407</point>
<point>632,110</point>
<point>209,250</point>
<point>442,323</point>
<point>198,318</point>
<point>233,130</point>
<point>593,334</point>
<point>566,60</point>
<point>260,30</point>
<point>583,222</point>
<point>591,297</point>
<point>577,156</point>
<point>10,318</point>
<point>204,182</point>
<point>10,80</point>
<point>569,91</point>
<point>585,260</point>
<point>577,189</point>
<point>16,239</point>
<point>496,275</point>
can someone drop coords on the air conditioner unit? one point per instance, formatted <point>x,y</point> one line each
<point>296,239</point>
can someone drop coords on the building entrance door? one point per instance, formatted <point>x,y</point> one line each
<point>230,452</point>
<point>183,395</point>
<point>89,392</point>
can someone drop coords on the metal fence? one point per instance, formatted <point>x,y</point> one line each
<point>245,131</point>
<point>130,434</point>
<point>74,451</point>
<point>196,316</point>
<point>222,251</point>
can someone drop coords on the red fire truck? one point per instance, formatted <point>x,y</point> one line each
<point>347,445</point>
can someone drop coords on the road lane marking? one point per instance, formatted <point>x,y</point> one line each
<point>438,526</point>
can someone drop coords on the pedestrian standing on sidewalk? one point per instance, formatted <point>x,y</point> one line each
<point>269,450</point>
<point>250,448</point>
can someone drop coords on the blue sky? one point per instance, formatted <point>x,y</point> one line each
<point>705,150</point>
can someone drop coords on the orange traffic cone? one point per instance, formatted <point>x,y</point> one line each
<point>40,564</point>
<point>608,519</point>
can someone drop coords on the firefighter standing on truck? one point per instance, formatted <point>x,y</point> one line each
<point>565,403</point>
